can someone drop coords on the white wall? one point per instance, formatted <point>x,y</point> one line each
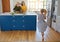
<point>58,13</point>
<point>58,17</point>
<point>15,1</point>
<point>11,5</point>
<point>0,5</point>
<point>56,25</point>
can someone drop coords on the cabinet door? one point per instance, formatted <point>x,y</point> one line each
<point>30,22</point>
<point>17,23</point>
<point>5,22</point>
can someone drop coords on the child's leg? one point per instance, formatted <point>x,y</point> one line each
<point>42,36</point>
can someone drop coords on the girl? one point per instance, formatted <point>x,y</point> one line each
<point>41,22</point>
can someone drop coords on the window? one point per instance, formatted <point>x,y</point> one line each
<point>36,5</point>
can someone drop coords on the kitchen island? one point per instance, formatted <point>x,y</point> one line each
<point>10,22</point>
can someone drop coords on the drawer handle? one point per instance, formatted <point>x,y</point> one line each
<point>13,25</point>
<point>23,16</point>
<point>13,20</point>
<point>23,20</point>
<point>23,26</point>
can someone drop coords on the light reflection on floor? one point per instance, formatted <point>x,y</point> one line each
<point>39,36</point>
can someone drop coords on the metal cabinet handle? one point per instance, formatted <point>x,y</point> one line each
<point>13,25</point>
<point>13,16</point>
<point>23,26</point>
<point>13,20</point>
<point>23,16</point>
<point>23,20</point>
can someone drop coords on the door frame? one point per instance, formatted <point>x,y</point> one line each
<point>6,5</point>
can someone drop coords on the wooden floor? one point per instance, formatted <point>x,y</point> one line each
<point>29,36</point>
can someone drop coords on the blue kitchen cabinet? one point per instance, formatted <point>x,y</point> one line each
<point>5,22</point>
<point>18,22</point>
<point>30,22</point>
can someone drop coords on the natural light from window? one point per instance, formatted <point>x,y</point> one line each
<point>36,5</point>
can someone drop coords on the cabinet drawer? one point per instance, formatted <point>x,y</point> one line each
<point>30,18</point>
<point>6,27</point>
<point>17,19</point>
<point>30,22</point>
<point>30,27</point>
<point>12,27</point>
<point>17,27</point>
<point>5,19</point>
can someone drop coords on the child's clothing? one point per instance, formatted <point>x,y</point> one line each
<point>41,23</point>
